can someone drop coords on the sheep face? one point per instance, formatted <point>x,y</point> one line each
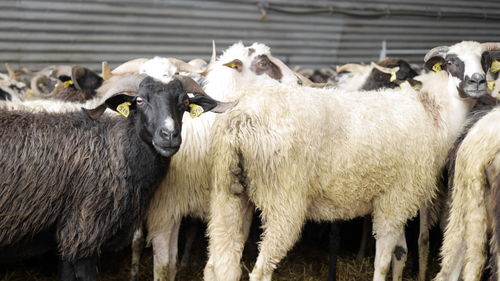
<point>156,108</point>
<point>389,73</point>
<point>160,107</point>
<point>463,63</point>
<point>252,65</point>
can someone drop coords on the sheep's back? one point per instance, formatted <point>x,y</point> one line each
<point>347,148</point>
<point>56,171</point>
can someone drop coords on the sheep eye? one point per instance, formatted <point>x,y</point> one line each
<point>139,101</point>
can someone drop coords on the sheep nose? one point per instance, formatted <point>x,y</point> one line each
<point>477,79</point>
<point>169,134</point>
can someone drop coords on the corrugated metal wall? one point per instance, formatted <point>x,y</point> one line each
<point>36,33</point>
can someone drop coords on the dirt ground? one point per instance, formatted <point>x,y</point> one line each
<point>307,261</point>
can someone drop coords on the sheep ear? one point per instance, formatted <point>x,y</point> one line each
<point>121,103</point>
<point>201,104</point>
<point>235,64</point>
<point>435,63</point>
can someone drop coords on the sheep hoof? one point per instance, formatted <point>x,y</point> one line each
<point>237,188</point>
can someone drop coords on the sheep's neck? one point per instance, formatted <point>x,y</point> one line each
<point>454,110</point>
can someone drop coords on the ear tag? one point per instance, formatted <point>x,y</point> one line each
<point>68,83</point>
<point>495,66</point>
<point>393,77</point>
<point>123,108</point>
<point>195,110</point>
<point>437,67</point>
<point>232,65</point>
<point>30,92</point>
<point>491,85</point>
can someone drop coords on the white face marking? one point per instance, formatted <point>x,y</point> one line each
<point>472,63</point>
<point>169,124</point>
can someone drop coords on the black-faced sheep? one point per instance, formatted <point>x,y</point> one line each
<point>330,155</point>
<point>92,189</point>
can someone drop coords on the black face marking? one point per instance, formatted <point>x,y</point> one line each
<point>399,252</point>
<point>4,95</point>
<point>262,64</point>
<point>454,66</point>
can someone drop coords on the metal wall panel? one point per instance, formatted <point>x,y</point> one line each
<point>37,33</point>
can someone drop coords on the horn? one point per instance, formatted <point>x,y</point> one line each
<point>491,46</point>
<point>387,70</point>
<point>350,67</point>
<point>190,85</point>
<point>128,83</point>
<point>106,72</point>
<point>211,64</point>
<point>129,67</point>
<point>436,51</point>
<point>183,66</point>
<point>308,82</point>
<point>199,63</point>
<point>12,74</point>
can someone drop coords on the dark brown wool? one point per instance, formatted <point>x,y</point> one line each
<point>89,181</point>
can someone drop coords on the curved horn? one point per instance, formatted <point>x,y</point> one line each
<point>436,51</point>
<point>491,46</point>
<point>198,63</point>
<point>129,67</point>
<point>190,85</point>
<point>212,60</point>
<point>12,74</point>
<point>350,67</point>
<point>34,85</point>
<point>309,83</point>
<point>387,70</point>
<point>183,66</point>
<point>106,72</point>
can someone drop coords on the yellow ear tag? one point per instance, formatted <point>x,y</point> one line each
<point>491,85</point>
<point>393,77</point>
<point>495,66</point>
<point>232,65</point>
<point>123,108</point>
<point>30,92</point>
<point>68,83</point>
<point>437,67</point>
<point>195,110</point>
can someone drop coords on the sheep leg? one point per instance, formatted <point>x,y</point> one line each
<point>191,234</point>
<point>423,244</point>
<point>334,248</point>
<point>66,271</point>
<point>384,248</point>
<point>85,269</point>
<point>174,246</point>
<point>226,233</point>
<point>365,235</point>
<point>399,258</point>
<point>137,248</point>
<point>282,229</point>
<point>161,251</point>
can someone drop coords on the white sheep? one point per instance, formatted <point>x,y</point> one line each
<point>185,191</point>
<point>474,206</point>
<point>329,155</point>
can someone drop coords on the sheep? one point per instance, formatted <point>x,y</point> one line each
<point>185,189</point>
<point>93,189</point>
<point>10,88</point>
<point>474,182</point>
<point>330,154</point>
